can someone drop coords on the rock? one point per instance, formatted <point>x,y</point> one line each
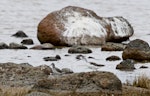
<point>78,26</point>
<point>46,69</point>
<point>16,46</point>
<point>143,67</point>
<point>3,46</point>
<point>66,71</point>
<point>95,64</point>
<point>44,46</point>
<point>56,58</point>
<point>81,82</point>
<point>19,75</point>
<point>20,34</point>
<point>127,64</point>
<point>27,41</point>
<point>138,50</point>
<point>38,94</point>
<point>79,49</point>
<point>112,47</point>
<point>113,58</point>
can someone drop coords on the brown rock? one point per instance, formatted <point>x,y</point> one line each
<point>78,26</point>
<point>113,58</point>
<point>138,50</point>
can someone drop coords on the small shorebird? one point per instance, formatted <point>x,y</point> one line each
<point>55,70</point>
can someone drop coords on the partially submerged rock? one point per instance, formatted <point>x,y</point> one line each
<point>78,26</point>
<point>44,46</point>
<point>113,58</point>
<point>138,50</point>
<point>20,34</point>
<point>79,49</point>
<point>126,65</point>
<point>3,45</point>
<point>81,82</point>
<point>113,47</point>
<point>27,41</point>
<point>16,46</point>
<point>52,58</point>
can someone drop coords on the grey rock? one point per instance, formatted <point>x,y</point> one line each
<point>16,46</point>
<point>56,58</point>
<point>27,41</point>
<point>45,46</point>
<point>127,64</point>
<point>109,46</point>
<point>3,46</point>
<point>79,49</point>
<point>113,58</point>
<point>20,34</point>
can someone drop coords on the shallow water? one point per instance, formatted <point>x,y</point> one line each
<point>26,14</point>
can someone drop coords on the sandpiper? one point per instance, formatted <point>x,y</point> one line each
<point>55,70</point>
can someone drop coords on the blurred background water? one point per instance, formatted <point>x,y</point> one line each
<point>26,14</point>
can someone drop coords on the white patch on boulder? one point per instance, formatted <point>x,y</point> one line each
<point>83,29</point>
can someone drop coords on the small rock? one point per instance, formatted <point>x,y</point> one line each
<point>95,64</point>
<point>113,58</point>
<point>20,34</point>
<point>27,41</point>
<point>79,49</point>
<point>90,57</point>
<point>143,67</point>
<point>46,69</point>
<point>66,55</point>
<point>3,46</point>
<point>16,46</point>
<point>113,47</point>
<point>127,64</point>
<point>56,58</point>
<point>44,46</point>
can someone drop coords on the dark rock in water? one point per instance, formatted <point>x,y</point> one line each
<point>95,64</point>
<point>3,46</point>
<point>126,65</point>
<point>38,94</point>
<point>78,26</point>
<point>79,49</point>
<point>27,41</point>
<point>138,50</point>
<point>56,58</point>
<point>143,67</point>
<point>20,34</point>
<point>16,46</point>
<point>45,46</point>
<point>113,58</point>
<point>112,47</point>
<point>81,82</point>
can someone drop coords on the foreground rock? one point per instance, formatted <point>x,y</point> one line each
<point>23,74</point>
<point>138,50</point>
<point>79,49</point>
<point>126,65</point>
<point>78,26</point>
<point>37,94</point>
<point>20,34</point>
<point>112,47</point>
<point>81,82</point>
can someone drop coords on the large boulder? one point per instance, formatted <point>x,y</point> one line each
<point>138,50</point>
<point>74,25</point>
<point>81,82</point>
